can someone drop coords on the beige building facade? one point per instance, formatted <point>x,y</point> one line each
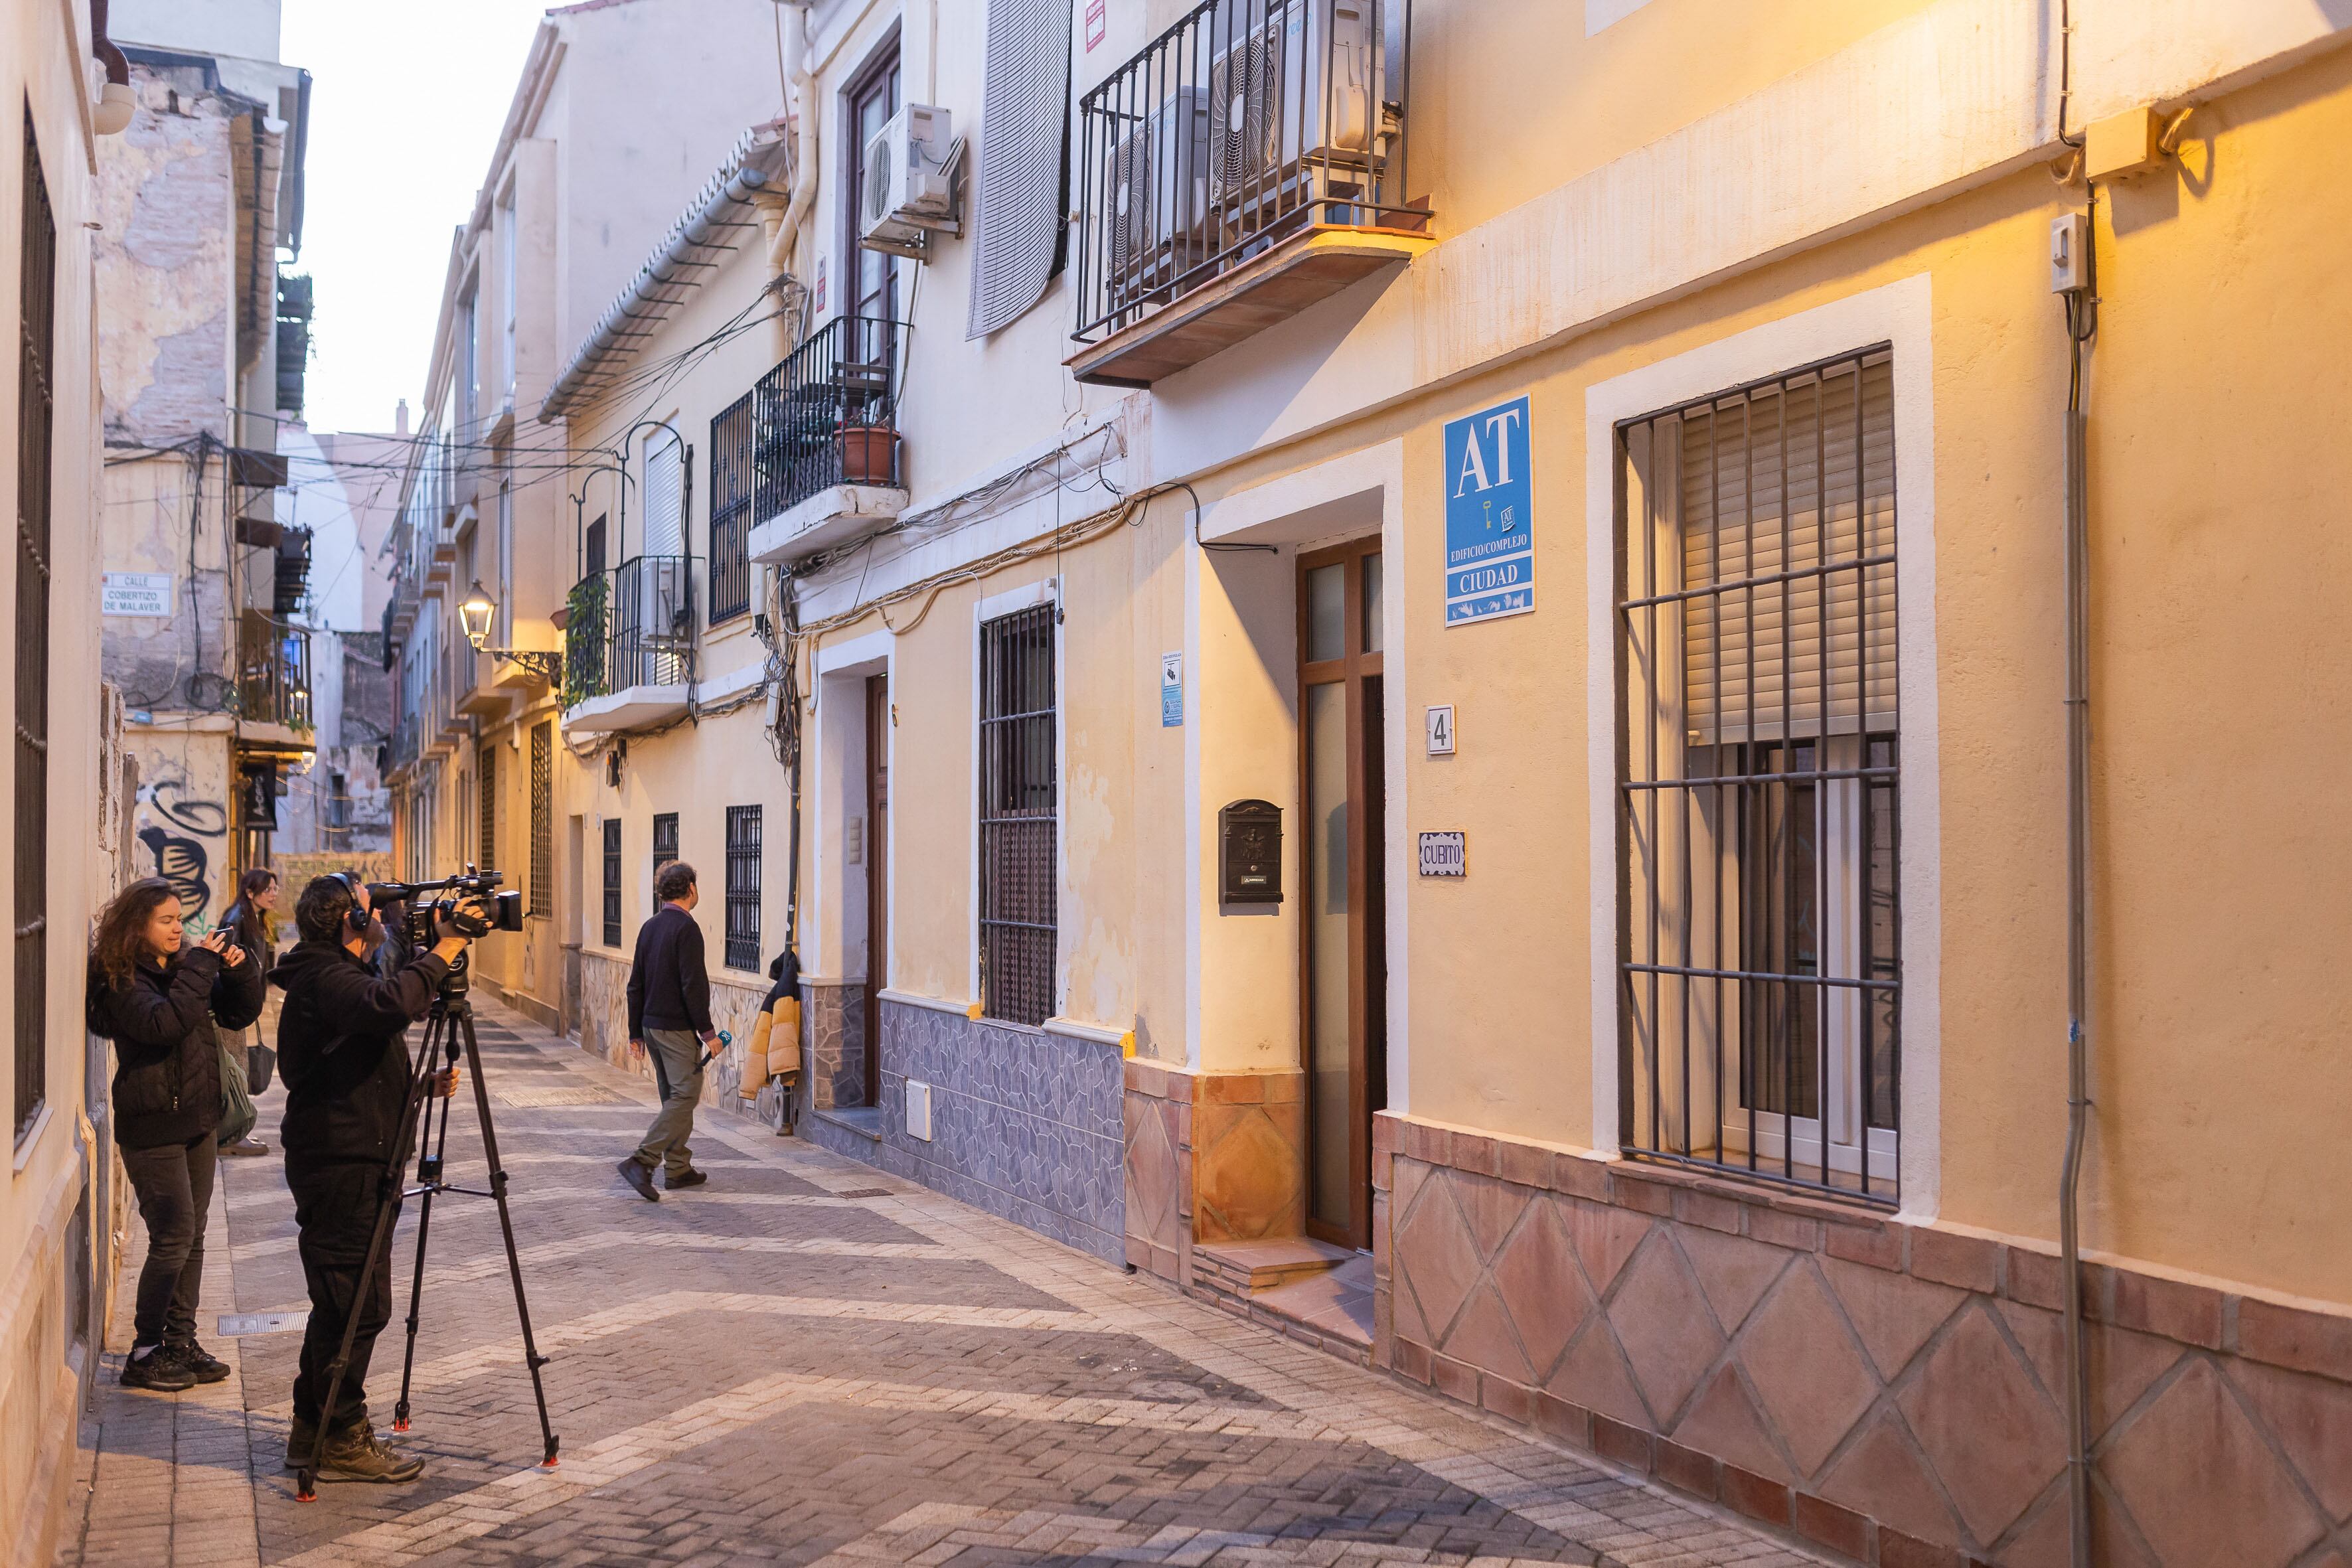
<point>69,783</point>
<point>1447,719</point>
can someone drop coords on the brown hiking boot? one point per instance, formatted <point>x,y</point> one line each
<point>357,1453</point>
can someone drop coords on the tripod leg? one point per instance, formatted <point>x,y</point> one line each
<point>531,1358</point>
<point>305,1482</point>
<point>430,1149</point>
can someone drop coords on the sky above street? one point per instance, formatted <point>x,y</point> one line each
<point>406,103</point>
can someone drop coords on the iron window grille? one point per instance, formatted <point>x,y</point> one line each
<point>485,784</point>
<point>611,881</point>
<point>1019,801</point>
<point>1246,124</point>
<point>1758,766</point>
<point>36,403</point>
<point>731,514</point>
<point>743,830</point>
<point>542,817</point>
<point>664,846</point>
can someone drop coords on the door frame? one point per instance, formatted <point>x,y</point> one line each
<point>874,852</point>
<point>1362,675</point>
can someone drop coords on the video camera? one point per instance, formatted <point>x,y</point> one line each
<point>503,910</point>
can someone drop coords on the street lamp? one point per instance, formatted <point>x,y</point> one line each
<point>475,613</point>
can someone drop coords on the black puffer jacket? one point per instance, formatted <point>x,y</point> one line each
<point>342,1051</point>
<point>167,1085</point>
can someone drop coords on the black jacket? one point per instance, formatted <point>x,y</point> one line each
<point>342,1051</point>
<point>668,988</point>
<point>167,1083</point>
<point>252,934</point>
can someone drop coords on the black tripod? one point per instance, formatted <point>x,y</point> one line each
<point>448,1027</point>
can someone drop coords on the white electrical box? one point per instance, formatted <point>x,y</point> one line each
<point>2069,253</point>
<point>918,1110</point>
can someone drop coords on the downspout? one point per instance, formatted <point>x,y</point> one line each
<point>785,235</point>
<point>2082,326</point>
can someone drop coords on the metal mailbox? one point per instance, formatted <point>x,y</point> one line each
<point>1249,853</point>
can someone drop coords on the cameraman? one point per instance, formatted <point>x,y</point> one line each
<point>342,1053</point>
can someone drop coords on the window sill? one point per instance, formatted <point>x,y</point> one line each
<point>30,1139</point>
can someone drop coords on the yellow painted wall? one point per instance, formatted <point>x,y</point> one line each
<point>2220,699</point>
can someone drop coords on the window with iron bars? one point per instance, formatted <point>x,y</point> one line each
<point>36,401</point>
<point>1758,760</point>
<point>665,848</point>
<point>542,817</point>
<point>744,831</point>
<point>731,491</point>
<point>1018,816</point>
<point>486,783</point>
<point>612,934</point>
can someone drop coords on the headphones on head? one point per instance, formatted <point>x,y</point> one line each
<point>357,919</point>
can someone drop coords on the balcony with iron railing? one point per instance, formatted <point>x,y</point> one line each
<point>273,682</point>
<point>1249,162</point>
<point>629,645</point>
<point>807,457</point>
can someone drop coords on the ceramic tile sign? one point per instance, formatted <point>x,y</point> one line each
<point>1490,542</point>
<point>1172,691</point>
<point>1444,854</point>
<point>135,593</point>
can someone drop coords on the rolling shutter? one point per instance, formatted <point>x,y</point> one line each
<point>665,495</point>
<point>1023,142</point>
<point>1786,505</point>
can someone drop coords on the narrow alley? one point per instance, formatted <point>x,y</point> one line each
<point>810,1362</point>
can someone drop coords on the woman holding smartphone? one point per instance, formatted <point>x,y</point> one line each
<point>163,1003</point>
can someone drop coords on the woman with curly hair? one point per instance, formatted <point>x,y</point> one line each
<point>162,1002</point>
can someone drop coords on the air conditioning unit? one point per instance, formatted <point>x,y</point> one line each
<point>1295,95</point>
<point>1157,191</point>
<point>910,182</point>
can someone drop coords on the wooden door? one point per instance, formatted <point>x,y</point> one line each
<point>1343,1025</point>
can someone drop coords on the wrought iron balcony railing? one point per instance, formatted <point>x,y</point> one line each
<point>632,625</point>
<point>1246,124</point>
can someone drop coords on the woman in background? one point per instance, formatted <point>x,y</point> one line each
<point>161,1002</point>
<point>248,924</point>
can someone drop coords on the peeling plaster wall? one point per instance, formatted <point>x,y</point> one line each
<point>166,257</point>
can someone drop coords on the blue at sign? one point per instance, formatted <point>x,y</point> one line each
<point>1490,542</point>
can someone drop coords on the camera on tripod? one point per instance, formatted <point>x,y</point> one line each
<point>503,910</point>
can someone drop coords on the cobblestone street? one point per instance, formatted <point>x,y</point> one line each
<point>808,1361</point>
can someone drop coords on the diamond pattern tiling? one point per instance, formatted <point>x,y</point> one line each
<point>1810,1372</point>
<point>1992,1436</point>
<point>1732,1270</point>
<point>1593,1373</point>
<point>1881,1473</point>
<point>2311,1417</point>
<point>1724,1422</point>
<point>1492,1207</point>
<point>1894,1313</point>
<point>1604,1237</point>
<point>1542,1288</point>
<point>1663,1324</point>
<point>1434,1257</point>
<point>1483,1336</point>
<point>2202,1484</point>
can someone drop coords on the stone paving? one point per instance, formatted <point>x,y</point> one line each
<point>809,1361</point>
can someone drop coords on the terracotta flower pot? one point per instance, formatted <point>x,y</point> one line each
<point>866,454</point>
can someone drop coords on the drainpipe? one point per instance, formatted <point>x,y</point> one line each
<point>2082,307</point>
<point>785,235</point>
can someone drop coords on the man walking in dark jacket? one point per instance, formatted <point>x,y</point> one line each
<point>669,1020</point>
<point>342,1051</point>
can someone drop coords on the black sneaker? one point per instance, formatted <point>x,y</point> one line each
<point>159,1372</point>
<point>201,1364</point>
<point>684,1179</point>
<point>638,1177</point>
<point>357,1453</point>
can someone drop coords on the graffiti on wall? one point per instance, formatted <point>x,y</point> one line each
<point>173,827</point>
